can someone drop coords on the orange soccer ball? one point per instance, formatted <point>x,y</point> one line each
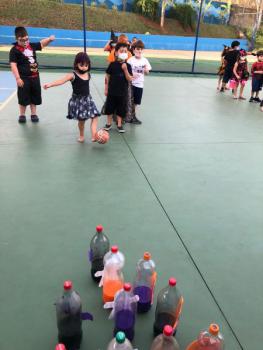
<point>102,136</point>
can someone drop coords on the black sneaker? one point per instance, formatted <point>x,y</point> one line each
<point>120,129</point>
<point>107,127</point>
<point>34,118</point>
<point>136,121</point>
<point>22,119</point>
<point>257,99</point>
<point>251,99</point>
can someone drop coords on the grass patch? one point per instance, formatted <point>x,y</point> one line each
<point>54,14</point>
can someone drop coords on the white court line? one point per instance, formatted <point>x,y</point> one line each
<point>6,88</point>
<point>2,106</point>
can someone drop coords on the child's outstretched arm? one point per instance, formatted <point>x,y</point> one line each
<point>58,82</point>
<point>47,41</point>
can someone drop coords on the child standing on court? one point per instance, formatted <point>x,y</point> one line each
<point>24,66</point>
<point>240,75</point>
<point>257,77</point>
<point>140,66</point>
<point>81,106</point>
<point>221,69</point>
<point>118,74</point>
<point>230,59</point>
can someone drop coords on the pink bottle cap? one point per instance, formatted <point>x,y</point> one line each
<point>67,285</point>
<point>60,347</point>
<point>99,228</point>
<point>127,287</point>
<point>168,330</point>
<point>114,249</point>
<point>172,282</point>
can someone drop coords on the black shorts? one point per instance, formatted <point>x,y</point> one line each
<point>137,95</point>
<point>116,104</point>
<point>227,75</point>
<point>30,93</point>
<point>256,84</point>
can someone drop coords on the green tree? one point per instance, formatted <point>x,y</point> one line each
<point>257,23</point>
<point>165,3</point>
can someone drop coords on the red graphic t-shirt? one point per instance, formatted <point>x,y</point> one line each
<point>25,58</point>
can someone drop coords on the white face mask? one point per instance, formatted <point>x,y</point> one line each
<point>123,56</point>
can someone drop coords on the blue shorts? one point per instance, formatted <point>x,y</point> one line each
<point>256,84</point>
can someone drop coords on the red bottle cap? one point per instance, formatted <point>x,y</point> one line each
<point>147,256</point>
<point>172,282</point>
<point>213,329</point>
<point>67,285</point>
<point>168,330</point>
<point>127,287</point>
<point>99,228</point>
<point>114,249</point>
<point>60,347</point>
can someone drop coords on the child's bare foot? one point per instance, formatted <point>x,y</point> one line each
<point>81,139</point>
<point>93,139</point>
<point>242,98</point>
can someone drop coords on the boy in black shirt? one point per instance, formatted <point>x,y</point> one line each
<point>118,74</point>
<point>230,59</point>
<point>24,66</point>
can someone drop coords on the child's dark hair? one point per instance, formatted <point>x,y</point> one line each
<point>138,45</point>
<point>260,53</point>
<point>20,32</point>
<point>82,58</point>
<point>235,43</point>
<point>119,45</point>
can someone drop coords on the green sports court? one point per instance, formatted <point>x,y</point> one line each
<point>186,185</point>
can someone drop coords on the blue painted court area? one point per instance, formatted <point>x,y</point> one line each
<point>7,86</point>
<point>74,38</point>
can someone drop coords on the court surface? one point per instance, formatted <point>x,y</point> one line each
<point>186,186</point>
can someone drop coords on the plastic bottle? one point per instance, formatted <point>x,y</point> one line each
<point>99,246</point>
<point>168,308</point>
<point>120,343</point>
<point>125,307</point>
<point>145,282</point>
<point>112,278</point>
<point>165,341</point>
<point>211,339</point>
<point>69,321</point>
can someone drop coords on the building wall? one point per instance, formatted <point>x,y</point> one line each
<point>242,17</point>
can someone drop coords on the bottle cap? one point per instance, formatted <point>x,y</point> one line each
<point>120,337</point>
<point>172,281</point>
<point>114,249</point>
<point>67,285</point>
<point>60,347</point>
<point>213,329</point>
<point>168,330</point>
<point>127,287</point>
<point>146,256</point>
<point>99,228</point>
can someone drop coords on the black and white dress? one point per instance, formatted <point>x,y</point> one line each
<point>81,105</point>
